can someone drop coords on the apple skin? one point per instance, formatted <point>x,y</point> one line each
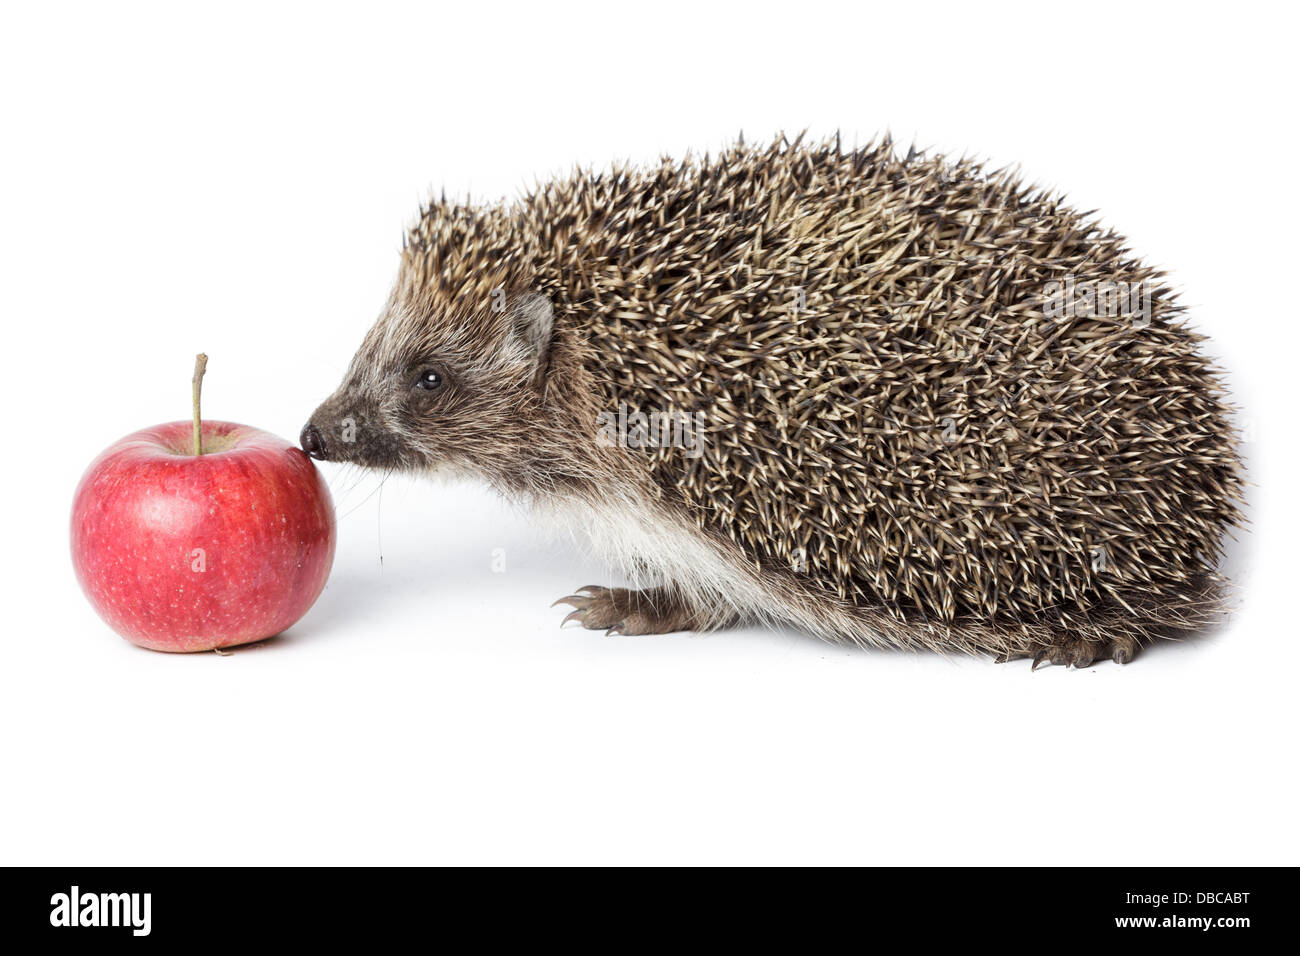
<point>179,552</point>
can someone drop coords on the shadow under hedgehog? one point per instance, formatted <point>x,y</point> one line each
<point>902,402</point>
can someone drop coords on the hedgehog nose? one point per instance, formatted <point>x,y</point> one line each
<point>312,442</point>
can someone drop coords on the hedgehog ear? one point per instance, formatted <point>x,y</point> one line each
<point>531,322</point>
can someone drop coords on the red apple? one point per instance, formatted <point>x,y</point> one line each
<point>186,552</point>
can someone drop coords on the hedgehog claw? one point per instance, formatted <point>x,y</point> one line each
<point>1123,649</point>
<point>574,616</point>
<point>592,608</point>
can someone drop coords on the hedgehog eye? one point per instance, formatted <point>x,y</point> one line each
<point>429,380</point>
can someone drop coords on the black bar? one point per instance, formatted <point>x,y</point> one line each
<point>1222,906</point>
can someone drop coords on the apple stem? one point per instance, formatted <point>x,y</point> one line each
<point>200,366</point>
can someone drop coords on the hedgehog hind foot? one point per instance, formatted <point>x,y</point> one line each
<point>1076,651</point>
<point>626,611</point>
<point>1116,631</point>
<point>1073,651</point>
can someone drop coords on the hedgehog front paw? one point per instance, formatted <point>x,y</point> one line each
<point>623,611</point>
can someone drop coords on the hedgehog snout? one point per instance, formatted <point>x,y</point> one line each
<point>353,429</point>
<point>312,441</point>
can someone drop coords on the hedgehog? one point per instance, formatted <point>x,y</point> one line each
<point>899,401</point>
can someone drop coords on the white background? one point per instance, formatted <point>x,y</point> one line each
<point>238,181</point>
